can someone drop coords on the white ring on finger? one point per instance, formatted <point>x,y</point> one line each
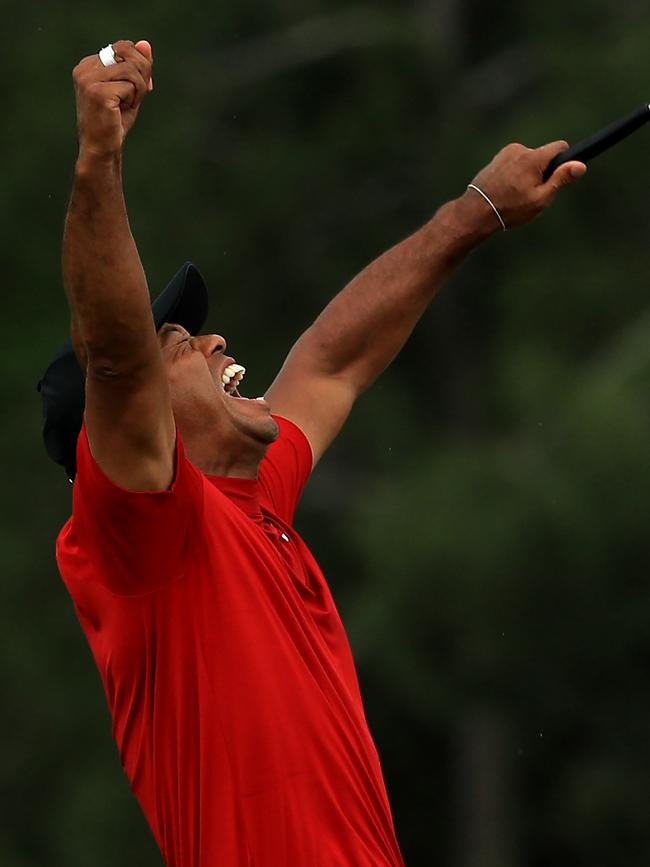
<point>107,56</point>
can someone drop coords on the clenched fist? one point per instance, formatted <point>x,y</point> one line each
<point>515,184</point>
<point>109,97</point>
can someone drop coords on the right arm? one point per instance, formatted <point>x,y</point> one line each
<point>128,416</point>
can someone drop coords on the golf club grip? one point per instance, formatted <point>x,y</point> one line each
<point>605,138</point>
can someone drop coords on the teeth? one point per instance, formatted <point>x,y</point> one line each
<point>232,376</point>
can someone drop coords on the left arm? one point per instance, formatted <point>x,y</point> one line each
<point>363,328</point>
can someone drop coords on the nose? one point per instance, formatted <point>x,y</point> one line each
<point>210,343</point>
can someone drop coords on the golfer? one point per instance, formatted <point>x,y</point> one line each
<point>227,671</point>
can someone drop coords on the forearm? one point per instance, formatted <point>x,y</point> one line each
<point>364,327</point>
<point>102,272</point>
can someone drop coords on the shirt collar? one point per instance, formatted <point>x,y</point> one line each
<point>244,493</point>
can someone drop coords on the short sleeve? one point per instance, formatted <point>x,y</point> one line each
<point>285,469</point>
<point>136,541</point>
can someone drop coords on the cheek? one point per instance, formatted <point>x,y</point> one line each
<point>176,386</point>
<point>193,391</point>
<point>189,373</point>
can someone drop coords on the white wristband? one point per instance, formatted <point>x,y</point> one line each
<point>490,203</point>
<point>107,56</point>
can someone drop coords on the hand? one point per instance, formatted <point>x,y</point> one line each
<point>109,97</point>
<point>514,182</point>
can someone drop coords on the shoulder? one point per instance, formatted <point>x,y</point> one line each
<point>285,469</point>
<point>134,539</point>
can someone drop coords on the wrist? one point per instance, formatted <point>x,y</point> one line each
<point>468,220</point>
<point>91,161</point>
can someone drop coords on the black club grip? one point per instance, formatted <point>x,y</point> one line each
<point>601,141</point>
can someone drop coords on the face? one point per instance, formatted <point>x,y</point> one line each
<point>209,411</point>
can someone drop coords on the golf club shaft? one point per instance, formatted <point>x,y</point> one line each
<point>605,138</point>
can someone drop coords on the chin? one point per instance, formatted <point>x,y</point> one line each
<point>265,432</point>
<point>255,424</point>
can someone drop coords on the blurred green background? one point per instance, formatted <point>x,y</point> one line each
<point>483,517</point>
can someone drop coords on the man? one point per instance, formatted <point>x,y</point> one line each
<point>227,671</point>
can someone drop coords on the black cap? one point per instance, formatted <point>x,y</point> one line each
<point>62,386</point>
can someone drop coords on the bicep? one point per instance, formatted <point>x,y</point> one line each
<point>317,402</point>
<point>130,425</point>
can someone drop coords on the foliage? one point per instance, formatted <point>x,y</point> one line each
<point>482,519</point>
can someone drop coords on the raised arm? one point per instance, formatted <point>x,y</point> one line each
<point>363,328</point>
<point>128,416</point>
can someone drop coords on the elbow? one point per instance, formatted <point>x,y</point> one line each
<point>111,366</point>
<point>119,356</point>
<point>324,352</point>
<point>103,368</point>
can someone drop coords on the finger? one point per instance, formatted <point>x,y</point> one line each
<point>564,175</point>
<point>548,152</point>
<point>125,50</point>
<point>112,93</point>
<point>97,86</point>
<point>98,61</point>
<point>89,78</point>
<point>87,64</point>
<point>552,149</point>
<point>123,89</point>
<point>144,47</point>
<point>127,71</point>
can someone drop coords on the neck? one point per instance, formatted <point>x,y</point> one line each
<point>235,457</point>
<point>235,469</point>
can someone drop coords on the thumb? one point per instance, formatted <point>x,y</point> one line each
<point>566,174</point>
<point>144,47</point>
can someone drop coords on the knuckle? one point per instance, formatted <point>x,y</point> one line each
<point>83,84</point>
<point>79,70</point>
<point>93,92</point>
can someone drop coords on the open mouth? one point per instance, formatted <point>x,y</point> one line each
<point>231,378</point>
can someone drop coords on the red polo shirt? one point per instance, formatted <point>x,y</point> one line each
<point>226,667</point>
